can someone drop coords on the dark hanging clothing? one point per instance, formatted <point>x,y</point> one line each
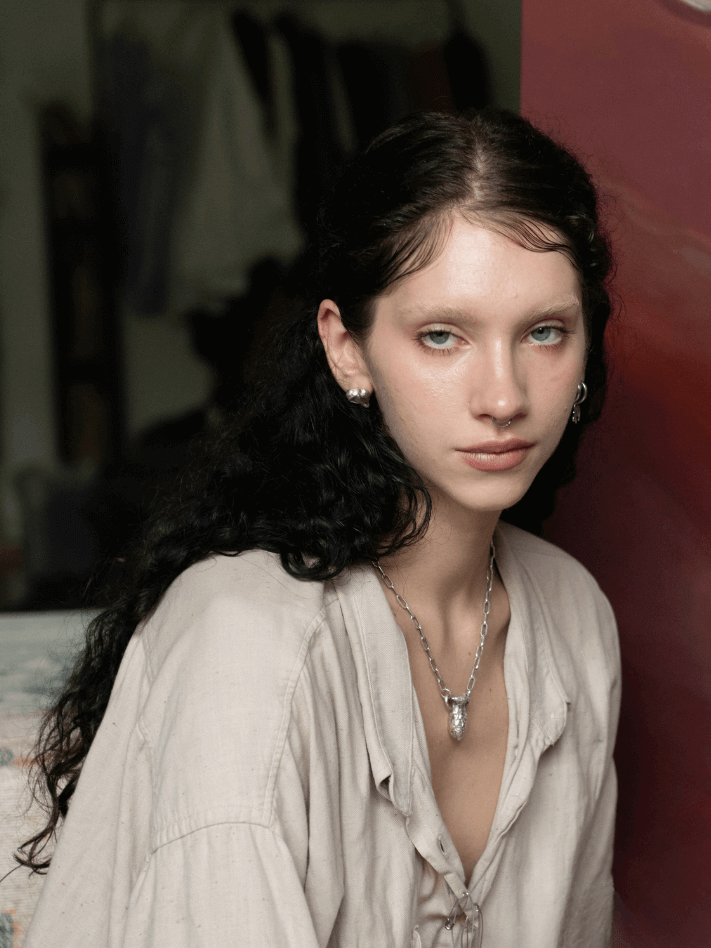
<point>376,80</point>
<point>320,149</point>
<point>468,71</point>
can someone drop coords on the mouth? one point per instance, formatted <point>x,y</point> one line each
<point>496,455</point>
<point>497,447</point>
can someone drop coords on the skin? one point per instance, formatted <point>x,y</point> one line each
<point>488,328</point>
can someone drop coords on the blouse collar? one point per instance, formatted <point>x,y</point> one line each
<point>383,669</point>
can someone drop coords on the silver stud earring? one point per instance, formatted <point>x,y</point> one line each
<point>579,399</point>
<point>358,396</point>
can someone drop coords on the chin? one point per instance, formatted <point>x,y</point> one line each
<point>487,500</point>
<point>499,491</point>
<point>483,493</point>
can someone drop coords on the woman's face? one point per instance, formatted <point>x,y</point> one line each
<point>488,329</point>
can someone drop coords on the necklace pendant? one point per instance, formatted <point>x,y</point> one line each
<point>457,705</point>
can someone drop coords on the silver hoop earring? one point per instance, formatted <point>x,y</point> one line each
<point>579,399</point>
<point>358,396</point>
<point>496,425</point>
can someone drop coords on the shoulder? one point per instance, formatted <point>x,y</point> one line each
<point>234,605</point>
<point>226,650</point>
<point>578,616</point>
<point>556,573</point>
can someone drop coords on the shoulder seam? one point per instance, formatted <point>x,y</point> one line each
<point>210,825</point>
<point>185,824</point>
<point>297,670</point>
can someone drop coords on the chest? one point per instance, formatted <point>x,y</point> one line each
<point>466,774</point>
<point>397,864</point>
<point>394,843</point>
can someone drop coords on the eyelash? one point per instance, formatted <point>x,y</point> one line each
<point>559,329</point>
<point>428,332</point>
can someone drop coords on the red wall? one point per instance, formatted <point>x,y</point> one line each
<point>627,83</point>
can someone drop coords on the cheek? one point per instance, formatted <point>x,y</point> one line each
<point>401,417</point>
<point>557,402</point>
<point>412,384</point>
<point>555,380</point>
<point>555,398</point>
<point>411,409</point>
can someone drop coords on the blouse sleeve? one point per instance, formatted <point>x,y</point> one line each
<point>588,921</point>
<point>227,884</point>
<point>194,822</point>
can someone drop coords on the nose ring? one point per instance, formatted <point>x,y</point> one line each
<point>501,426</point>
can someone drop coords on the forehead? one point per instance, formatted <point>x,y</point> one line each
<point>480,271</point>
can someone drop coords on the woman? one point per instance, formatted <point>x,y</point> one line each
<point>389,720</point>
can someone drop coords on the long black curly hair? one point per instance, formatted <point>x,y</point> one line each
<point>302,472</point>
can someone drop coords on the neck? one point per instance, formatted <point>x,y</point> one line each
<point>445,571</point>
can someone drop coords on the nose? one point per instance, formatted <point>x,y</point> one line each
<point>498,387</point>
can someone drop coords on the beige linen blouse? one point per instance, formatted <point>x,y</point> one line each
<point>261,775</point>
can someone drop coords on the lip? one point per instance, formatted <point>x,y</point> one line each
<point>497,447</point>
<point>496,455</point>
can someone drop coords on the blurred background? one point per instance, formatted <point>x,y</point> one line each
<point>159,163</point>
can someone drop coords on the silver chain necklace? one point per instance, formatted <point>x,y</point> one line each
<point>456,704</point>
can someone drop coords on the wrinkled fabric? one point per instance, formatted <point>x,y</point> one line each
<point>261,775</point>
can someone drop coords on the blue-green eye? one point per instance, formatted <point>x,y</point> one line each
<point>439,339</point>
<point>546,335</point>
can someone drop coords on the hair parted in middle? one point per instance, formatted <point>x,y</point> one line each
<point>303,472</point>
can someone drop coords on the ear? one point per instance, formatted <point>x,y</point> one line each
<point>342,351</point>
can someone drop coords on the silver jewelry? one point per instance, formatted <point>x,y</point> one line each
<point>579,399</point>
<point>456,704</point>
<point>501,426</point>
<point>358,396</point>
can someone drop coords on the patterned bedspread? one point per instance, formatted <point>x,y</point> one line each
<point>34,650</point>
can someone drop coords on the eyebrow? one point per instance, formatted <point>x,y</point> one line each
<point>447,314</point>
